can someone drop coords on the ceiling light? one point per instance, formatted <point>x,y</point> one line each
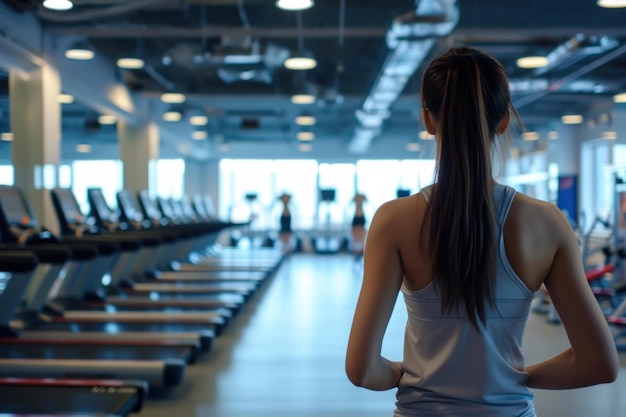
<point>199,120</point>
<point>553,135</point>
<point>530,135</point>
<point>413,147</point>
<point>294,4</point>
<point>58,4</point>
<point>609,134</point>
<point>172,116</point>
<point>130,63</point>
<point>532,62</point>
<point>572,119</point>
<point>305,147</point>
<point>83,148</point>
<point>7,136</point>
<point>107,119</point>
<point>424,135</point>
<point>620,98</point>
<point>612,4</point>
<point>301,62</point>
<point>306,136</point>
<point>175,98</point>
<point>65,98</point>
<point>305,120</point>
<point>303,99</point>
<point>199,135</point>
<point>80,51</point>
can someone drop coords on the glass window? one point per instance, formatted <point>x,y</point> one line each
<point>246,191</point>
<point>341,178</point>
<point>170,178</point>
<point>6,175</point>
<point>104,174</point>
<point>299,179</point>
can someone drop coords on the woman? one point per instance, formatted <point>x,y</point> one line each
<point>468,255</point>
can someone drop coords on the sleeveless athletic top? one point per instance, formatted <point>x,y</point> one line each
<point>450,368</point>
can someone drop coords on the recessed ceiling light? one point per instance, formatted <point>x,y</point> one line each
<point>530,135</point>
<point>65,98</point>
<point>83,148</point>
<point>294,4</point>
<point>609,134</point>
<point>553,135</point>
<point>620,98</point>
<point>199,120</point>
<point>413,147</point>
<point>173,98</point>
<point>424,135</point>
<point>303,99</point>
<point>572,119</point>
<point>305,120</point>
<point>58,4</point>
<point>7,136</point>
<point>130,63</point>
<point>305,147</point>
<point>532,62</point>
<point>107,119</point>
<point>80,51</point>
<point>612,4</point>
<point>306,136</point>
<point>199,135</point>
<point>172,116</point>
<point>302,62</point>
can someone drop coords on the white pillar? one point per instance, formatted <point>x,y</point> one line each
<point>202,177</point>
<point>36,126</point>
<point>139,150</point>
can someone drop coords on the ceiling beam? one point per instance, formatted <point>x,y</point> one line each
<point>499,35</point>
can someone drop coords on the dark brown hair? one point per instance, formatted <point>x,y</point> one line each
<point>467,95</point>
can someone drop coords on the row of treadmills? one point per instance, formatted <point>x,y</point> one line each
<point>119,302</point>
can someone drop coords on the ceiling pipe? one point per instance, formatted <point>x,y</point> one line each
<point>561,82</point>
<point>410,41</point>
<point>575,49</point>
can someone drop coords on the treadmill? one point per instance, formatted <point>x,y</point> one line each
<point>195,328</point>
<point>125,294</point>
<point>161,366</point>
<point>70,397</point>
<point>218,269</point>
<point>183,244</point>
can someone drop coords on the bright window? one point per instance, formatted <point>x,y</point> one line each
<point>341,178</point>
<point>170,178</point>
<point>105,174</point>
<point>6,175</point>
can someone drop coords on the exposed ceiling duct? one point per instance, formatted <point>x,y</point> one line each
<point>575,49</point>
<point>410,40</point>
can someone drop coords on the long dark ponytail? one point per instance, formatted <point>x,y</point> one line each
<point>467,95</point>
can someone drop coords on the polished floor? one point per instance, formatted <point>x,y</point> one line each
<point>284,356</point>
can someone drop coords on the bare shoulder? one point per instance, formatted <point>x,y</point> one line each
<point>399,214</point>
<point>536,214</point>
<point>534,231</point>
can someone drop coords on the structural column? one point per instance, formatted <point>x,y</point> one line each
<point>202,177</point>
<point>139,150</point>
<point>36,127</point>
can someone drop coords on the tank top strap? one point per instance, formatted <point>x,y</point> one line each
<point>503,196</point>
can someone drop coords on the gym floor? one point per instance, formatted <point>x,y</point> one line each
<point>284,356</point>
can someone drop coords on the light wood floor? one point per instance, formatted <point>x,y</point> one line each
<point>284,356</point>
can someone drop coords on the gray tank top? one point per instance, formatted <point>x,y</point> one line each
<point>450,368</point>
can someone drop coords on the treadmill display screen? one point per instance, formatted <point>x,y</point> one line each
<point>69,206</point>
<point>12,204</point>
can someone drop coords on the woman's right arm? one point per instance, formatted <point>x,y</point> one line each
<point>592,358</point>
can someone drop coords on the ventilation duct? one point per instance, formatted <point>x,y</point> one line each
<point>575,49</point>
<point>410,40</point>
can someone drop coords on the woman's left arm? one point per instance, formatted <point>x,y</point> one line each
<point>382,277</point>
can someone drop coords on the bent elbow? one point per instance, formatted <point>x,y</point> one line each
<point>355,374</point>
<point>609,373</point>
